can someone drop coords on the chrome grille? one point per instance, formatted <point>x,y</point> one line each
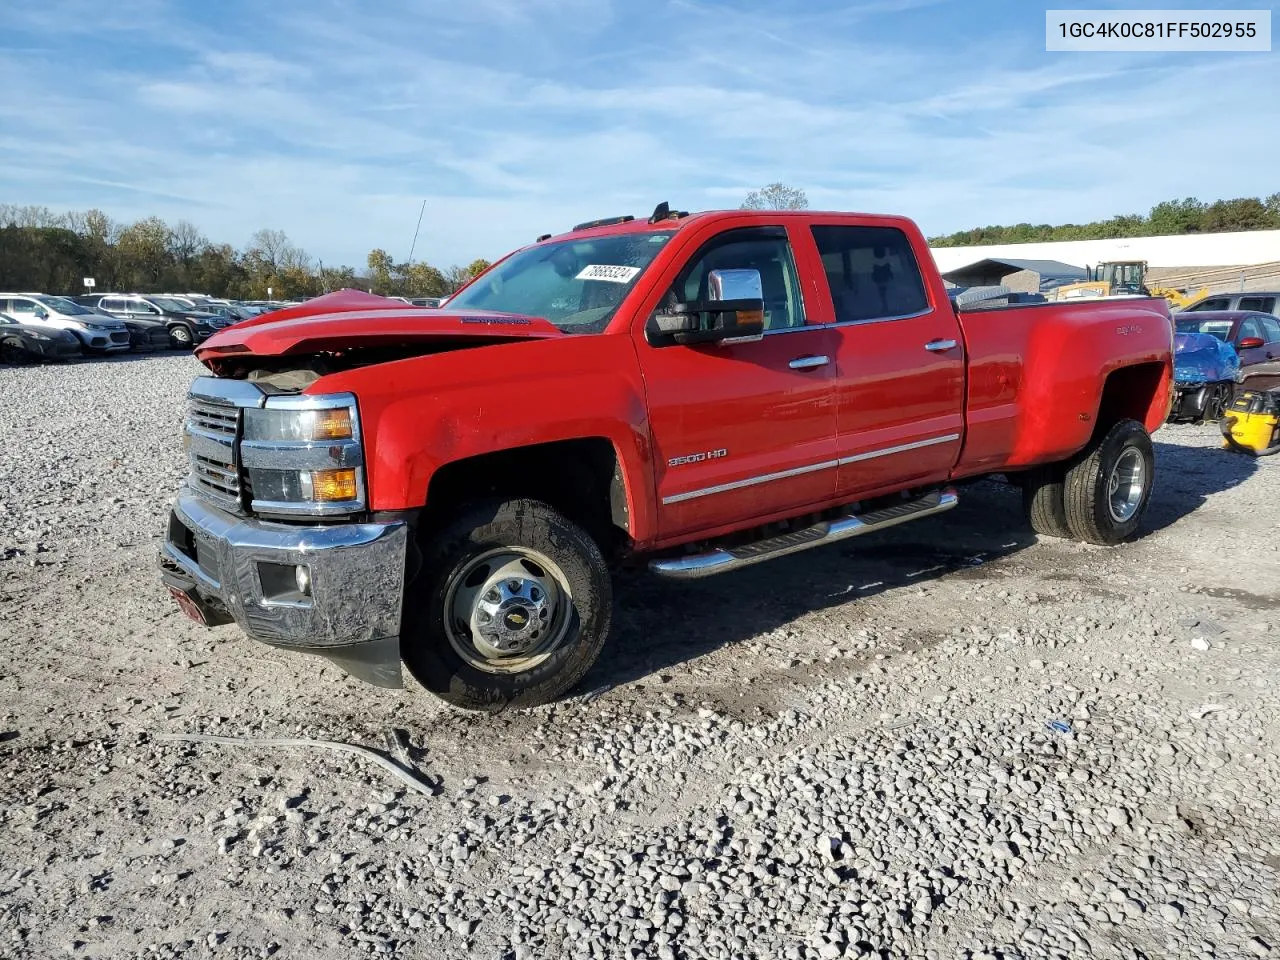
<point>212,432</point>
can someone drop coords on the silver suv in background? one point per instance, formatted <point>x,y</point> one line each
<point>187,326</point>
<point>1260,301</point>
<point>96,332</point>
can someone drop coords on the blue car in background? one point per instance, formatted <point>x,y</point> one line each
<point>1214,351</point>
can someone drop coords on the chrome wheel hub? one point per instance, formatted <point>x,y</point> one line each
<point>507,610</point>
<point>1126,485</point>
<point>512,614</point>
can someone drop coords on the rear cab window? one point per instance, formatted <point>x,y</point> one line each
<point>871,272</point>
<point>1213,303</point>
<point>1261,304</point>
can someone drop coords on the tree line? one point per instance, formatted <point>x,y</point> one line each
<point>49,252</point>
<point>1169,218</point>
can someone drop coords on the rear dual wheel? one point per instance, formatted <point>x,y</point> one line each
<point>1101,495</point>
<point>512,607</point>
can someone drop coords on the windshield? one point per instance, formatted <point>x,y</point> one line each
<point>575,284</point>
<point>5,318</point>
<point>166,303</point>
<point>64,306</point>
<point>1216,328</point>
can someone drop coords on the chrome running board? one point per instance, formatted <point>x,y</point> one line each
<point>721,559</point>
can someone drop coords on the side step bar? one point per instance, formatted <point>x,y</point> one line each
<point>719,560</point>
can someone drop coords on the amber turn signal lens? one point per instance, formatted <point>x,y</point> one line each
<point>333,486</point>
<point>332,424</point>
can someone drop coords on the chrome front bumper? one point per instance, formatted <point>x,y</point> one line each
<point>241,569</point>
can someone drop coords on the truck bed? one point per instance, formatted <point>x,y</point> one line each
<point>1039,375</point>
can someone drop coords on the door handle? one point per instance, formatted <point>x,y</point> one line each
<point>937,346</point>
<point>808,363</point>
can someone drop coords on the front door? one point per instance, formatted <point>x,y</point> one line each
<point>900,378</point>
<point>742,431</point>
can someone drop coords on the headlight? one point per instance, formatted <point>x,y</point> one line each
<point>303,455</point>
<point>93,326</point>
<point>34,335</point>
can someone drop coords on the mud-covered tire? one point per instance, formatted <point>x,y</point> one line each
<point>1103,498</point>
<point>427,649</point>
<point>1043,501</point>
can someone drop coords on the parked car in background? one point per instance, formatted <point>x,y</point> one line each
<point>144,335</point>
<point>1205,372</point>
<point>1254,336</point>
<point>96,333</point>
<point>186,326</point>
<point>1261,301</point>
<point>24,343</point>
<point>229,312</point>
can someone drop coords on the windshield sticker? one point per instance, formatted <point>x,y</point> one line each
<point>608,273</point>
<point>492,320</point>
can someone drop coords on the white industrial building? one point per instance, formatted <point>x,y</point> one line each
<point>1188,250</point>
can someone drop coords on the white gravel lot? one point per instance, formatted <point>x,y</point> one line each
<point>841,753</point>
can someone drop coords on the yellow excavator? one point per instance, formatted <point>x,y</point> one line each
<point>1122,278</point>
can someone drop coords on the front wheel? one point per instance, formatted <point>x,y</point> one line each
<point>181,337</point>
<point>13,353</point>
<point>512,607</point>
<point>1106,493</point>
<point>1218,402</point>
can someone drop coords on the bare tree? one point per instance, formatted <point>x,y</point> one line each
<point>185,241</point>
<point>776,196</point>
<point>269,248</point>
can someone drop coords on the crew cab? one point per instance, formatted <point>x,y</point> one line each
<point>449,488</point>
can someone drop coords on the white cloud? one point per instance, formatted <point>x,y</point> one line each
<point>518,117</point>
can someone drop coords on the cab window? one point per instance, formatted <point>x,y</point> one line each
<point>872,273</point>
<point>766,250</point>
<point>1261,304</point>
<point>1213,303</point>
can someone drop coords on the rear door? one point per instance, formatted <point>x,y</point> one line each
<point>900,361</point>
<point>741,431</point>
<point>138,309</point>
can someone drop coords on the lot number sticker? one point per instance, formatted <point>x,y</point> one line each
<point>609,273</point>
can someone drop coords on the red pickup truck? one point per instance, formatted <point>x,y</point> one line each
<point>449,488</point>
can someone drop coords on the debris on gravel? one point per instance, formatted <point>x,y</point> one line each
<point>951,741</point>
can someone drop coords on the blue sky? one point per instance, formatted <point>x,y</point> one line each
<point>513,118</point>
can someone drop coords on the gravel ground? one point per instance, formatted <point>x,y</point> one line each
<point>841,753</point>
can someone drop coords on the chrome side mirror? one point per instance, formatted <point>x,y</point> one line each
<point>734,285</point>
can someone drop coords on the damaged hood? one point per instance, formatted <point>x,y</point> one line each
<point>353,320</point>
